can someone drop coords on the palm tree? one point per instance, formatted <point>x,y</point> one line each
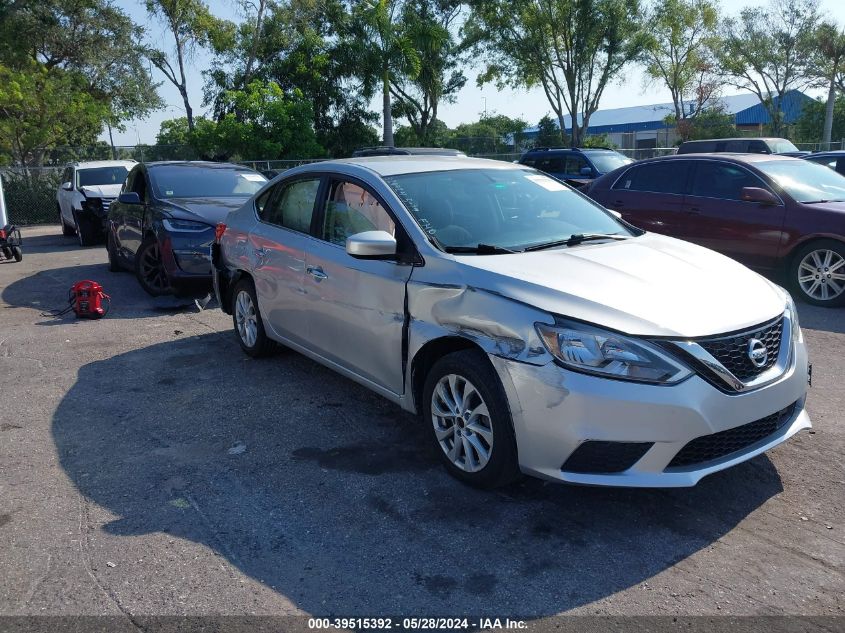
<point>831,49</point>
<point>382,52</point>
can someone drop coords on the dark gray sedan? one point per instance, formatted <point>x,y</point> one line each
<point>162,224</point>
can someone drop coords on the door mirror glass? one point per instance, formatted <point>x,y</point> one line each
<point>758,194</point>
<point>586,171</point>
<point>67,186</point>
<point>129,197</point>
<point>375,244</point>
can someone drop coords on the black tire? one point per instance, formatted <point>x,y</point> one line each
<point>114,262</point>
<point>819,278</point>
<point>473,366</point>
<point>150,271</point>
<point>67,231</point>
<point>17,253</point>
<point>262,345</point>
<point>85,233</point>
<point>7,252</point>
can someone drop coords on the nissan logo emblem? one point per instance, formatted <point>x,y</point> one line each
<point>757,352</point>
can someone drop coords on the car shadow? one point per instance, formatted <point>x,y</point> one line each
<point>334,497</point>
<point>822,319</point>
<point>50,242</point>
<point>47,290</point>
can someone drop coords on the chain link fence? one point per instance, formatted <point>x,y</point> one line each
<point>31,194</point>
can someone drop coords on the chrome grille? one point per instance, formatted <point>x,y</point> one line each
<point>106,204</point>
<point>732,351</point>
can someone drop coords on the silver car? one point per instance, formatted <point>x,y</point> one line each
<point>532,329</point>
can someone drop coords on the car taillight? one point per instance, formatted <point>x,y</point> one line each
<point>2,234</point>
<point>219,230</point>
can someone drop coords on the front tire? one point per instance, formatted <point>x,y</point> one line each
<point>114,262</point>
<point>817,273</point>
<point>84,231</point>
<point>67,231</point>
<point>149,269</point>
<point>246,319</point>
<point>467,410</point>
<point>17,253</point>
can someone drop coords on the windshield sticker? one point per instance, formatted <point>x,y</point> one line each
<point>169,192</point>
<point>546,183</point>
<point>253,177</point>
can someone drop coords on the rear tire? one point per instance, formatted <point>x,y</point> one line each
<point>817,273</point>
<point>246,319</point>
<point>465,406</point>
<point>17,253</point>
<point>149,269</point>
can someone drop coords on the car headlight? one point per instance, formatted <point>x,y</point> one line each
<point>184,226</point>
<point>592,350</point>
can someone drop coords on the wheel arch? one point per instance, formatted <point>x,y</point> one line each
<point>428,355</point>
<point>789,257</point>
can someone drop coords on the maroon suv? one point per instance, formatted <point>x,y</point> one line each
<point>772,213</point>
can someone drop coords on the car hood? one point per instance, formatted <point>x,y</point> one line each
<point>208,210</point>
<point>101,191</point>
<point>650,285</point>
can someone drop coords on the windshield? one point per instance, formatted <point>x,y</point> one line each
<point>101,176</point>
<point>780,146</point>
<point>505,208</point>
<point>805,181</point>
<point>193,181</point>
<point>607,162</point>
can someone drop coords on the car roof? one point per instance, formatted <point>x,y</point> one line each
<point>395,165</point>
<point>581,150</point>
<point>830,152</point>
<point>399,151</point>
<point>736,138</point>
<point>735,156</point>
<point>93,164</point>
<point>198,163</point>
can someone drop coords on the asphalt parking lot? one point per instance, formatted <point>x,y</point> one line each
<point>147,466</point>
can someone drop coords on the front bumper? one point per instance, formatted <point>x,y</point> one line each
<point>555,410</point>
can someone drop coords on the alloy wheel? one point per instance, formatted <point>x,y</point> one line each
<point>246,319</point>
<point>821,274</point>
<point>152,269</point>
<point>462,423</point>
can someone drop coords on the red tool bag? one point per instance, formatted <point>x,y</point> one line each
<point>86,299</point>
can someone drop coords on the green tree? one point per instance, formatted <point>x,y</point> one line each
<point>678,52</point>
<point>190,24</point>
<point>711,122</point>
<point>828,66</point>
<point>809,126</point>
<point>548,133</point>
<point>491,134</point>
<point>428,27</point>
<point>90,40</point>
<point>768,50</point>
<point>383,51</point>
<point>571,48</point>
<point>41,109</point>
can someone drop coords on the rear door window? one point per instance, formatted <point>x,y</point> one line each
<point>722,180</point>
<point>293,207</point>
<point>662,177</point>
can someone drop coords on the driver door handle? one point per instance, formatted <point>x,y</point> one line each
<point>316,272</point>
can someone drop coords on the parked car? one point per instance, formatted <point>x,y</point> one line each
<point>743,146</point>
<point>406,151</point>
<point>162,224</point>
<point>835,160</point>
<point>577,167</point>
<point>775,214</point>
<point>85,194</point>
<point>532,329</point>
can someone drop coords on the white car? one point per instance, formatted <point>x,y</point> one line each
<point>85,194</point>
<point>531,328</point>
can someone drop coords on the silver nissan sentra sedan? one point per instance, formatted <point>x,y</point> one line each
<point>532,329</point>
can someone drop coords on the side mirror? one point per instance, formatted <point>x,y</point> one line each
<point>67,186</point>
<point>616,213</point>
<point>758,194</point>
<point>129,197</point>
<point>586,171</point>
<point>371,244</point>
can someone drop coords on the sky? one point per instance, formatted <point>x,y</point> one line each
<point>630,90</point>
